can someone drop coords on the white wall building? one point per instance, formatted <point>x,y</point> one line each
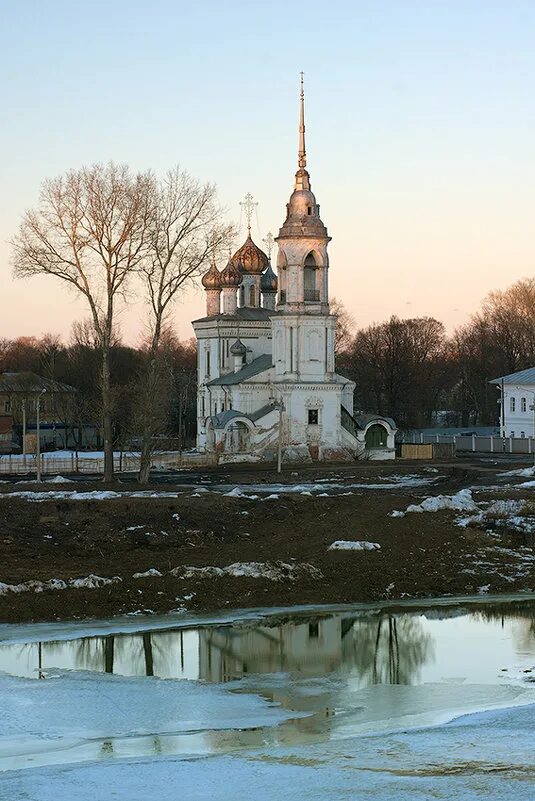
<point>517,403</point>
<point>266,350</point>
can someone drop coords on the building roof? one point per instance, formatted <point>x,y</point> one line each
<point>269,407</point>
<point>255,313</point>
<point>362,420</point>
<point>220,420</point>
<point>521,377</point>
<point>258,365</point>
<point>30,384</point>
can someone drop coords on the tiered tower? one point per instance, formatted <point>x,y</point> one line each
<point>303,333</point>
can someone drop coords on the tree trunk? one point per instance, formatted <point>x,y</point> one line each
<point>107,415</point>
<point>148,399</point>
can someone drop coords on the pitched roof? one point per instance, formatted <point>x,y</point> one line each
<point>254,313</point>
<point>30,384</point>
<point>521,377</point>
<point>258,365</point>
<point>269,407</point>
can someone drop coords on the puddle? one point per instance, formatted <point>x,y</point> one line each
<point>325,676</point>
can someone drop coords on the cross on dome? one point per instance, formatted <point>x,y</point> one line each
<point>249,205</point>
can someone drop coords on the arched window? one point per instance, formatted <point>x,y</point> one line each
<point>242,296</point>
<point>309,269</point>
<point>512,404</point>
<point>252,295</point>
<point>523,404</point>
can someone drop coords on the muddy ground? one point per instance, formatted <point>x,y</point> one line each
<point>421,554</point>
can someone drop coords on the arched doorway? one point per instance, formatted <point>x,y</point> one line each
<point>376,437</point>
<point>237,439</point>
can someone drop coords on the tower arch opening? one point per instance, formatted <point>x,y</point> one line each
<point>310,278</point>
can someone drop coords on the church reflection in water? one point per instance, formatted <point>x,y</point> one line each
<point>373,650</point>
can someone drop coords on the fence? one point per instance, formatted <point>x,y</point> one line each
<point>474,444</point>
<point>80,463</point>
<point>426,450</point>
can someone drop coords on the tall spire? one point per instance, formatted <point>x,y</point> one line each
<point>302,178</point>
<point>302,157</point>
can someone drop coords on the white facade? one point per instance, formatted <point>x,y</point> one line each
<point>517,416</point>
<point>266,367</point>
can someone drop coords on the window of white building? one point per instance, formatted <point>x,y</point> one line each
<point>522,404</point>
<point>512,404</point>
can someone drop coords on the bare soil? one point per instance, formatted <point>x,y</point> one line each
<point>421,554</point>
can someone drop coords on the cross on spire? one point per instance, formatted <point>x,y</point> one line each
<point>248,205</point>
<point>269,242</point>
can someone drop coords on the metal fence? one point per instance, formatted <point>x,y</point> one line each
<point>78,463</point>
<point>475,444</point>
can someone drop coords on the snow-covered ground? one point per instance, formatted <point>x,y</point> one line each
<point>252,492</point>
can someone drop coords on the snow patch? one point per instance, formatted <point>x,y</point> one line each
<point>461,501</point>
<point>152,571</point>
<point>357,545</point>
<point>273,571</point>
<point>90,582</point>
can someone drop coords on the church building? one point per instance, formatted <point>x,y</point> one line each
<point>266,360</point>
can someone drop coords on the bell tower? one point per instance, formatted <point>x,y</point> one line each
<point>303,331</point>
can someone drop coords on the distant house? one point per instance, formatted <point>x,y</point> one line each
<point>23,395</point>
<point>517,403</point>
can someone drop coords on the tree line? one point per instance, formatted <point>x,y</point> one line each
<point>413,371</point>
<point>78,363</point>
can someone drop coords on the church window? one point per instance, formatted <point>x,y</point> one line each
<point>313,630</point>
<point>523,404</point>
<point>208,362</point>
<point>203,411</point>
<point>309,210</point>
<point>313,417</point>
<point>512,404</point>
<point>242,296</point>
<point>7,406</point>
<point>252,296</point>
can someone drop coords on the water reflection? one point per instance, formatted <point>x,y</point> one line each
<point>378,649</point>
<point>347,671</point>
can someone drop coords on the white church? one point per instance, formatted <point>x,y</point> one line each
<point>266,361</point>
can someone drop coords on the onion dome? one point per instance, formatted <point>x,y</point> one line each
<point>212,278</point>
<point>250,259</point>
<point>230,276</point>
<point>269,281</point>
<point>238,348</point>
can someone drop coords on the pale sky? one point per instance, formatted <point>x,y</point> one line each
<point>420,120</point>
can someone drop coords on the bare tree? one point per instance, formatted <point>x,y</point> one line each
<point>186,232</point>
<point>345,326</point>
<point>91,230</point>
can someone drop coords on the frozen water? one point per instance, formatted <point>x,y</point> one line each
<point>486,756</point>
<point>365,699</point>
